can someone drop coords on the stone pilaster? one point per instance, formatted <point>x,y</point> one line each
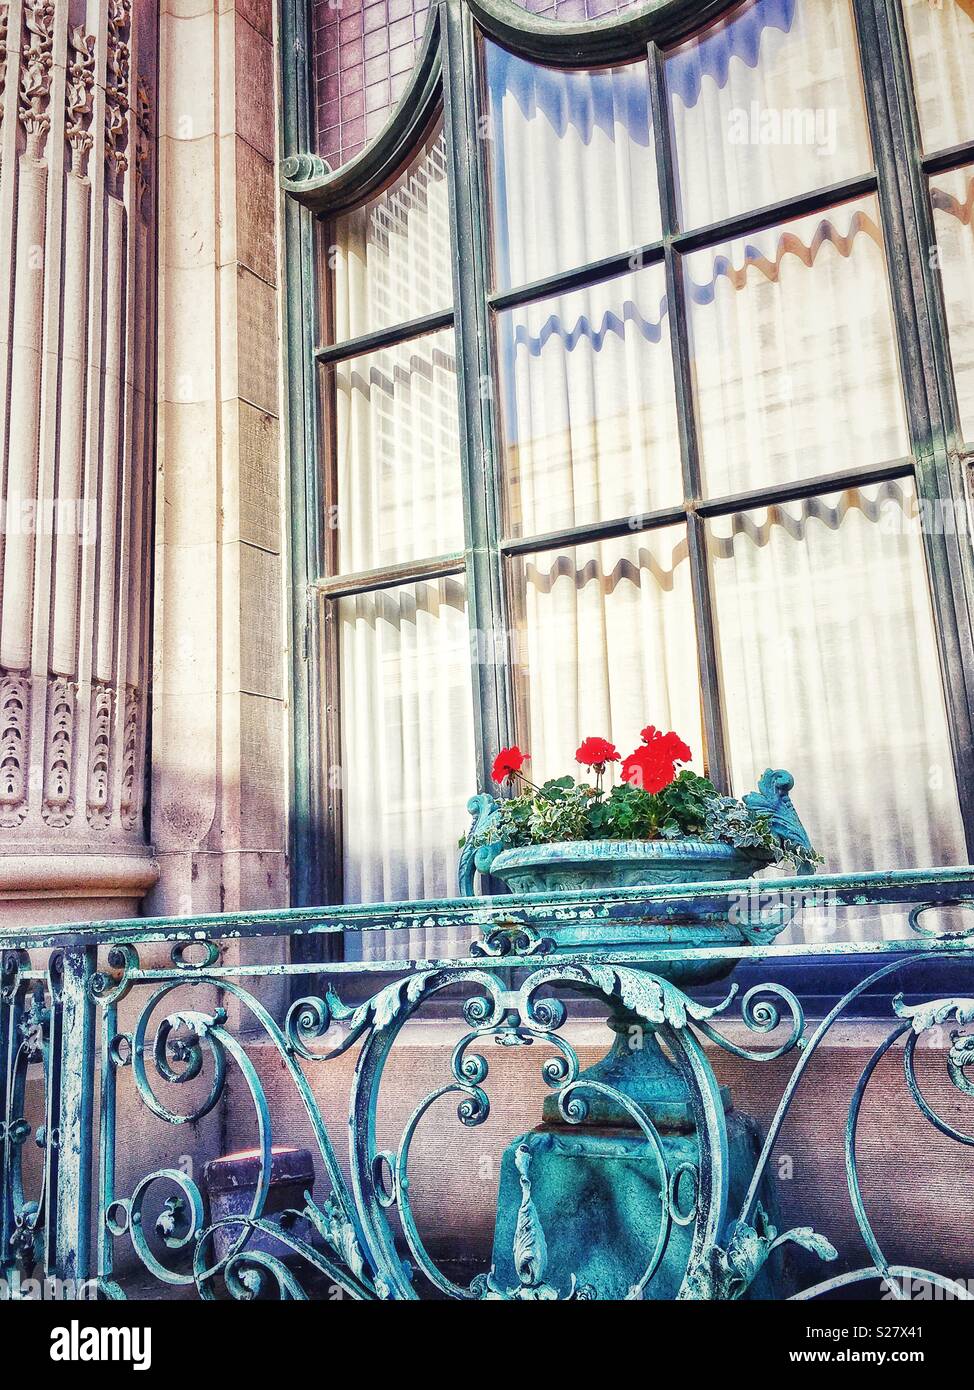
<point>219,764</point>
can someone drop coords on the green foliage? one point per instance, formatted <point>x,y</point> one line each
<point>690,806</point>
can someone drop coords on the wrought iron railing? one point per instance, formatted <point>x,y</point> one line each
<point>93,1035</point>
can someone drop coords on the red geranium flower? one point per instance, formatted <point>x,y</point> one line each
<point>671,742</point>
<point>596,752</point>
<point>648,768</point>
<point>653,766</point>
<point>508,764</point>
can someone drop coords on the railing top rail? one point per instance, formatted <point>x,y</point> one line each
<point>915,887</point>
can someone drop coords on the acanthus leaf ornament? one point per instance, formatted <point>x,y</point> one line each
<point>79,96</point>
<point>35,74</point>
<point>727,1272</point>
<point>4,27</point>
<point>335,1229</point>
<point>116,89</point>
<point>143,140</point>
<point>36,64</point>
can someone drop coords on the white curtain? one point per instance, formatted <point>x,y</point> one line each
<point>953,209</point>
<point>607,646</point>
<point>829,667</point>
<point>407,764</point>
<point>941,38</point>
<point>766,104</point>
<point>572,165</point>
<point>794,353</point>
<point>389,260</point>
<point>588,409</point>
<point>405,708</point>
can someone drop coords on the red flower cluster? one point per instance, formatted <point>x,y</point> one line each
<point>596,752</point>
<point>653,765</point>
<point>508,764</point>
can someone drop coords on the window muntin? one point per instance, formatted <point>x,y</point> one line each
<point>952,195</point>
<point>828,651</point>
<point>571,162</point>
<point>393,416</point>
<point>588,428</point>
<point>941,42</point>
<point>766,103</point>
<point>606,642</point>
<point>794,352</point>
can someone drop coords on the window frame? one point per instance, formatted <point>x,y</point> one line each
<point>446,65</point>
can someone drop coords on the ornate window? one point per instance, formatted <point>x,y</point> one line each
<point>632,365</point>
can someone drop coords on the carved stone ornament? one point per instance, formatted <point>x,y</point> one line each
<point>116,87</point>
<point>99,810</point>
<point>4,25</point>
<point>57,807</point>
<point>14,717</point>
<point>35,74</point>
<point>130,759</point>
<point>143,140</point>
<point>78,100</point>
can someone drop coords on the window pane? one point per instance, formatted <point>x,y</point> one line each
<point>588,414</point>
<point>830,669</point>
<point>953,202</point>
<point>606,646</point>
<point>941,38</point>
<point>397,454</point>
<point>765,104</point>
<point>389,260</point>
<point>406,739</point>
<point>794,354</point>
<point>572,165</point>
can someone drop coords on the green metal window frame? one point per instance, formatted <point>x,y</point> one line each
<point>446,70</point>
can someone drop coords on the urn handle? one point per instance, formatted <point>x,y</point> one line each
<point>473,855</point>
<point>772,800</point>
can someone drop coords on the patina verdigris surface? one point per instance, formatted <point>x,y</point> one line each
<point>60,1019</point>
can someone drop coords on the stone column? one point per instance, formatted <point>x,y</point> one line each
<point>77,292</point>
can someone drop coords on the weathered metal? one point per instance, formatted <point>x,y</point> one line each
<point>360,1234</point>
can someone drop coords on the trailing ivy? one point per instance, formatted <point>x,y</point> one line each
<point>690,806</point>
